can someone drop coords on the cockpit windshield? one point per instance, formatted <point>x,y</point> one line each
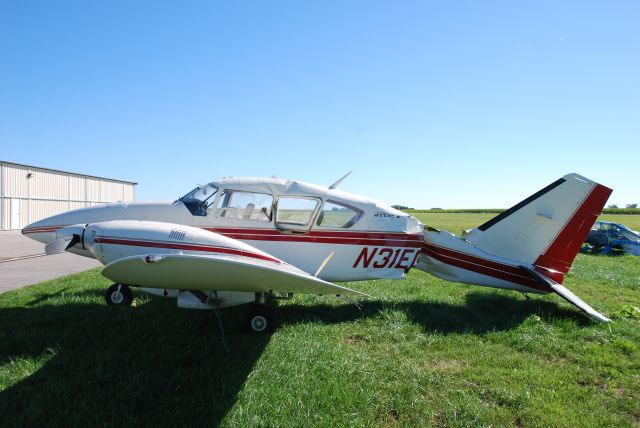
<point>199,199</point>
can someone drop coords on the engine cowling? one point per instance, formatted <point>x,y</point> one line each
<point>113,240</point>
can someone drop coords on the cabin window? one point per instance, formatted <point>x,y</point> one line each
<point>295,211</point>
<point>338,215</point>
<point>245,206</point>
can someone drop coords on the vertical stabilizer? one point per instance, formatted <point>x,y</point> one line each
<point>547,229</point>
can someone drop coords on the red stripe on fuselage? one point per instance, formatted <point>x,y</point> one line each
<point>509,273</point>
<point>379,239</point>
<point>340,238</point>
<point>187,247</point>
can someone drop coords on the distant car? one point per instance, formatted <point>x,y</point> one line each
<point>606,236</point>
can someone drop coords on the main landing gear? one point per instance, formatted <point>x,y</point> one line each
<point>119,294</point>
<point>259,319</point>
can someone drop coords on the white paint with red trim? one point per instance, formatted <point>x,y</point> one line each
<point>542,234</point>
<point>528,248</point>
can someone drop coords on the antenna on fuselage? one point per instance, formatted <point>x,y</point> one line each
<point>339,182</point>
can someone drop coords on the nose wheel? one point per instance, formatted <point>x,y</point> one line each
<point>118,294</point>
<point>259,319</point>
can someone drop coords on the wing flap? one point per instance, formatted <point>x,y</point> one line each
<point>217,272</point>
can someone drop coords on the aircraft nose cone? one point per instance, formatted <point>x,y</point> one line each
<point>42,231</point>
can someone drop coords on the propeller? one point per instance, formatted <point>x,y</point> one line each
<point>337,183</point>
<point>61,244</point>
<point>324,264</point>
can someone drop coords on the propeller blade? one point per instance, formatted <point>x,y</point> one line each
<point>324,264</point>
<point>337,183</point>
<point>61,244</point>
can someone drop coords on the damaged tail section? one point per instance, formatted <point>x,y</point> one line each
<point>547,229</point>
<point>529,247</point>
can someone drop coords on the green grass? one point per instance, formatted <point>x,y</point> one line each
<point>615,211</point>
<point>456,222</point>
<point>631,221</point>
<point>422,352</point>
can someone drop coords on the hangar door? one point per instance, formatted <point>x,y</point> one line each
<point>15,214</point>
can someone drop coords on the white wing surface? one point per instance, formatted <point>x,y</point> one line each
<point>217,272</point>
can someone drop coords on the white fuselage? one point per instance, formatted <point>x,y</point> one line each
<point>382,243</point>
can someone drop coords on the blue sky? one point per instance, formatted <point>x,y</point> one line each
<point>431,104</point>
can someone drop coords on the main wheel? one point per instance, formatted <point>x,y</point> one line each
<point>259,319</point>
<point>119,294</point>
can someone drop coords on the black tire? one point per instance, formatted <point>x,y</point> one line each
<point>119,294</point>
<point>259,319</point>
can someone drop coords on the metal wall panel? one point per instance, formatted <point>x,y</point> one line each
<point>24,214</point>
<point>48,185</point>
<point>29,194</point>
<point>110,191</point>
<point>39,209</point>
<point>77,188</point>
<point>93,190</point>
<point>74,205</point>
<point>6,219</point>
<point>129,192</point>
<point>15,181</point>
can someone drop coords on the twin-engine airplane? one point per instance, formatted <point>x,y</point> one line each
<point>245,240</point>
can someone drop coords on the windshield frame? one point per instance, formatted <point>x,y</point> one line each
<point>192,194</point>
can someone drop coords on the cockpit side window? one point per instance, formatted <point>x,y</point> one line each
<point>295,211</point>
<point>338,215</point>
<point>199,199</point>
<point>238,205</point>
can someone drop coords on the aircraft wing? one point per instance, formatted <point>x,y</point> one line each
<point>217,272</point>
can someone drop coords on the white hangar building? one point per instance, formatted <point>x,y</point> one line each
<point>30,193</point>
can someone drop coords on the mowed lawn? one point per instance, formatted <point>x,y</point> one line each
<point>456,223</point>
<point>422,352</point>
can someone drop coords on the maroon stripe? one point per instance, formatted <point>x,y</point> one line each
<point>324,233</point>
<point>515,270</point>
<point>325,240</point>
<point>563,250</point>
<point>483,266</point>
<point>188,247</point>
<point>381,239</point>
<point>42,229</point>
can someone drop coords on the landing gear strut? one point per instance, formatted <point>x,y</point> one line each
<point>118,294</point>
<point>259,319</point>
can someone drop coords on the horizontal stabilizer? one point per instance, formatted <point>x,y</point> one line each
<point>570,297</point>
<point>217,272</point>
<point>566,294</point>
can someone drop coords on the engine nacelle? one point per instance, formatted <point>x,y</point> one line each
<point>113,240</point>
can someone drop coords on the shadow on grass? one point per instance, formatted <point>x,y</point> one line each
<point>158,365</point>
<point>481,314</point>
<point>48,296</point>
<point>153,365</point>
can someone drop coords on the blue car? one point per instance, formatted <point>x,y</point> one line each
<point>605,236</point>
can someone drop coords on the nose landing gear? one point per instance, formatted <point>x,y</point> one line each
<point>119,294</point>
